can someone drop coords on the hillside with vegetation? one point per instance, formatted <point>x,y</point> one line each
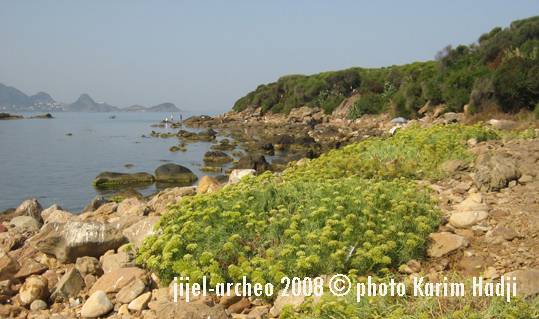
<point>500,71</point>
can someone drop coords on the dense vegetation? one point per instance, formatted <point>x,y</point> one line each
<point>501,70</point>
<point>354,210</point>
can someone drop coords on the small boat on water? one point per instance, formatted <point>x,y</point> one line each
<point>112,117</point>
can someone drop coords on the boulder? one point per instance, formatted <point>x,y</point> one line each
<point>38,305</point>
<point>98,304</point>
<point>8,266</point>
<point>137,232</point>
<point>132,206</point>
<point>55,214</point>
<point>25,223</point>
<point>74,239</point>
<point>444,243</point>
<point>131,291</point>
<point>118,278</point>
<point>141,302</point>
<point>88,265</point>
<point>237,174</point>
<point>207,184</point>
<point>111,262</point>
<point>30,207</point>
<point>494,172</point>
<point>30,267</point>
<point>453,166</point>
<point>188,310</point>
<point>472,203</point>
<point>467,219</point>
<point>256,162</point>
<point>168,196</point>
<point>34,288</point>
<point>174,173</point>
<point>113,179</point>
<point>217,157</point>
<point>527,281</point>
<point>68,286</point>
<point>95,203</point>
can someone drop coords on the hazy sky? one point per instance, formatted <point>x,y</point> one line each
<point>203,55</point>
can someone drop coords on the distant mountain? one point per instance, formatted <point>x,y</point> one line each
<point>164,107</point>
<point>12,99</point>
<point>86,104</point>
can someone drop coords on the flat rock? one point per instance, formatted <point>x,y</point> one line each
<point>467,219</point>
<point>174,173</point>
<point>131,291</point>
<point>8,266</point>
<point>140,303</point>
<point>237,174</point>
<point>527,281</point>
<point>30,267</point>
<point>68,286</point>
<point>68,241</point>
<point>98,304</point>
<point>444,242</point>
<point>113,179</point>
<point>117,279</point>
<point>25,223</point>
<point>137,232</point>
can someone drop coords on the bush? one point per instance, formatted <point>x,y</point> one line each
<point>351,210</point>
<point>369,103</point>
<point>536,111</point>
<point>516,84</point>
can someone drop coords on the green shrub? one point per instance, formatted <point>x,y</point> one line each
<point>351,210</point>
<point>367,104</point>
<point>536,111</point>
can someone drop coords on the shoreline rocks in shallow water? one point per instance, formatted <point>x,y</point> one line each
<point>7,116</point>
<point>113,179</point>
<point>174,173</point>
<point>217,157</point>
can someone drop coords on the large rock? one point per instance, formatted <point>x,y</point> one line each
<point>55,214</point>
<point>69,285</point>
<point>111,262</point>
<point>25,223</point>
<point>97,305</point>
<point>95,203</point>
<point>30,207</point>
<point>30,267</point>
<point>76,239</point>
<point>494,172</point>
<point>472,203</point>
<point>140,303</point>
<point>34,288</point>
<point>444,243</point>
<point>256,162</point>
<point>137,232</point>
<point>8,266</point>
<point>128,293</point>
<point>132,206</point>
<point>207,184</point>
<point>168,196</point>
<point>117,279</point>
<point>88,265</point>
<point>185,310</point>
<point>217,157</point>
<point>237,174</point>
<point>527,281</point>
<point>467,219</point>
<point>174,173</point>
<point>113,179</point>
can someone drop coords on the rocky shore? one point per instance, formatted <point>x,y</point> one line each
<point>60,264</point>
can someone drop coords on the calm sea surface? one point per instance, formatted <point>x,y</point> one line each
<point>38,159</point>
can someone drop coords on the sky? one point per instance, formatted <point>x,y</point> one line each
<point>204,55</point>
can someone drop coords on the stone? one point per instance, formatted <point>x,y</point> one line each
<point>444,243</point>
<point>494,172</point>
<point>217,157</point>
<point>137,232</point>
<point>132,206</point>
<point>467,219</point>
<point>472,265</point>
<point>25,223</point>
<point>501,233</point>
<point>474,202</point>
<point>38,305</point>
<point>166,197</point>
<point>174,173</point>
<point>237,174</point>
<point>255,162</point>
<point>491,273</point>
<point>112,262</point>
<point>8,266</point>
<point>140,303</point>
<point>56,215</point>
<point>114,180</point>
<point>258,312</point>
<point>88,265</point>
<point>191,310</point>
<point>34,288</point>
<point>76,239</point>
<point>117,279</point>
<point>95,203</point>
<point>207,184</point>
<point>29,267</point>
<point>525,179</point>
<point>98,304</point>
<point>286,300</point>
<point>453,166</point>
<point>239,306</point>
<point>527,281</point>
<point>30,207</point>
<point>227,301</point>
<point>68,286</point>
<point>131,291</point>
